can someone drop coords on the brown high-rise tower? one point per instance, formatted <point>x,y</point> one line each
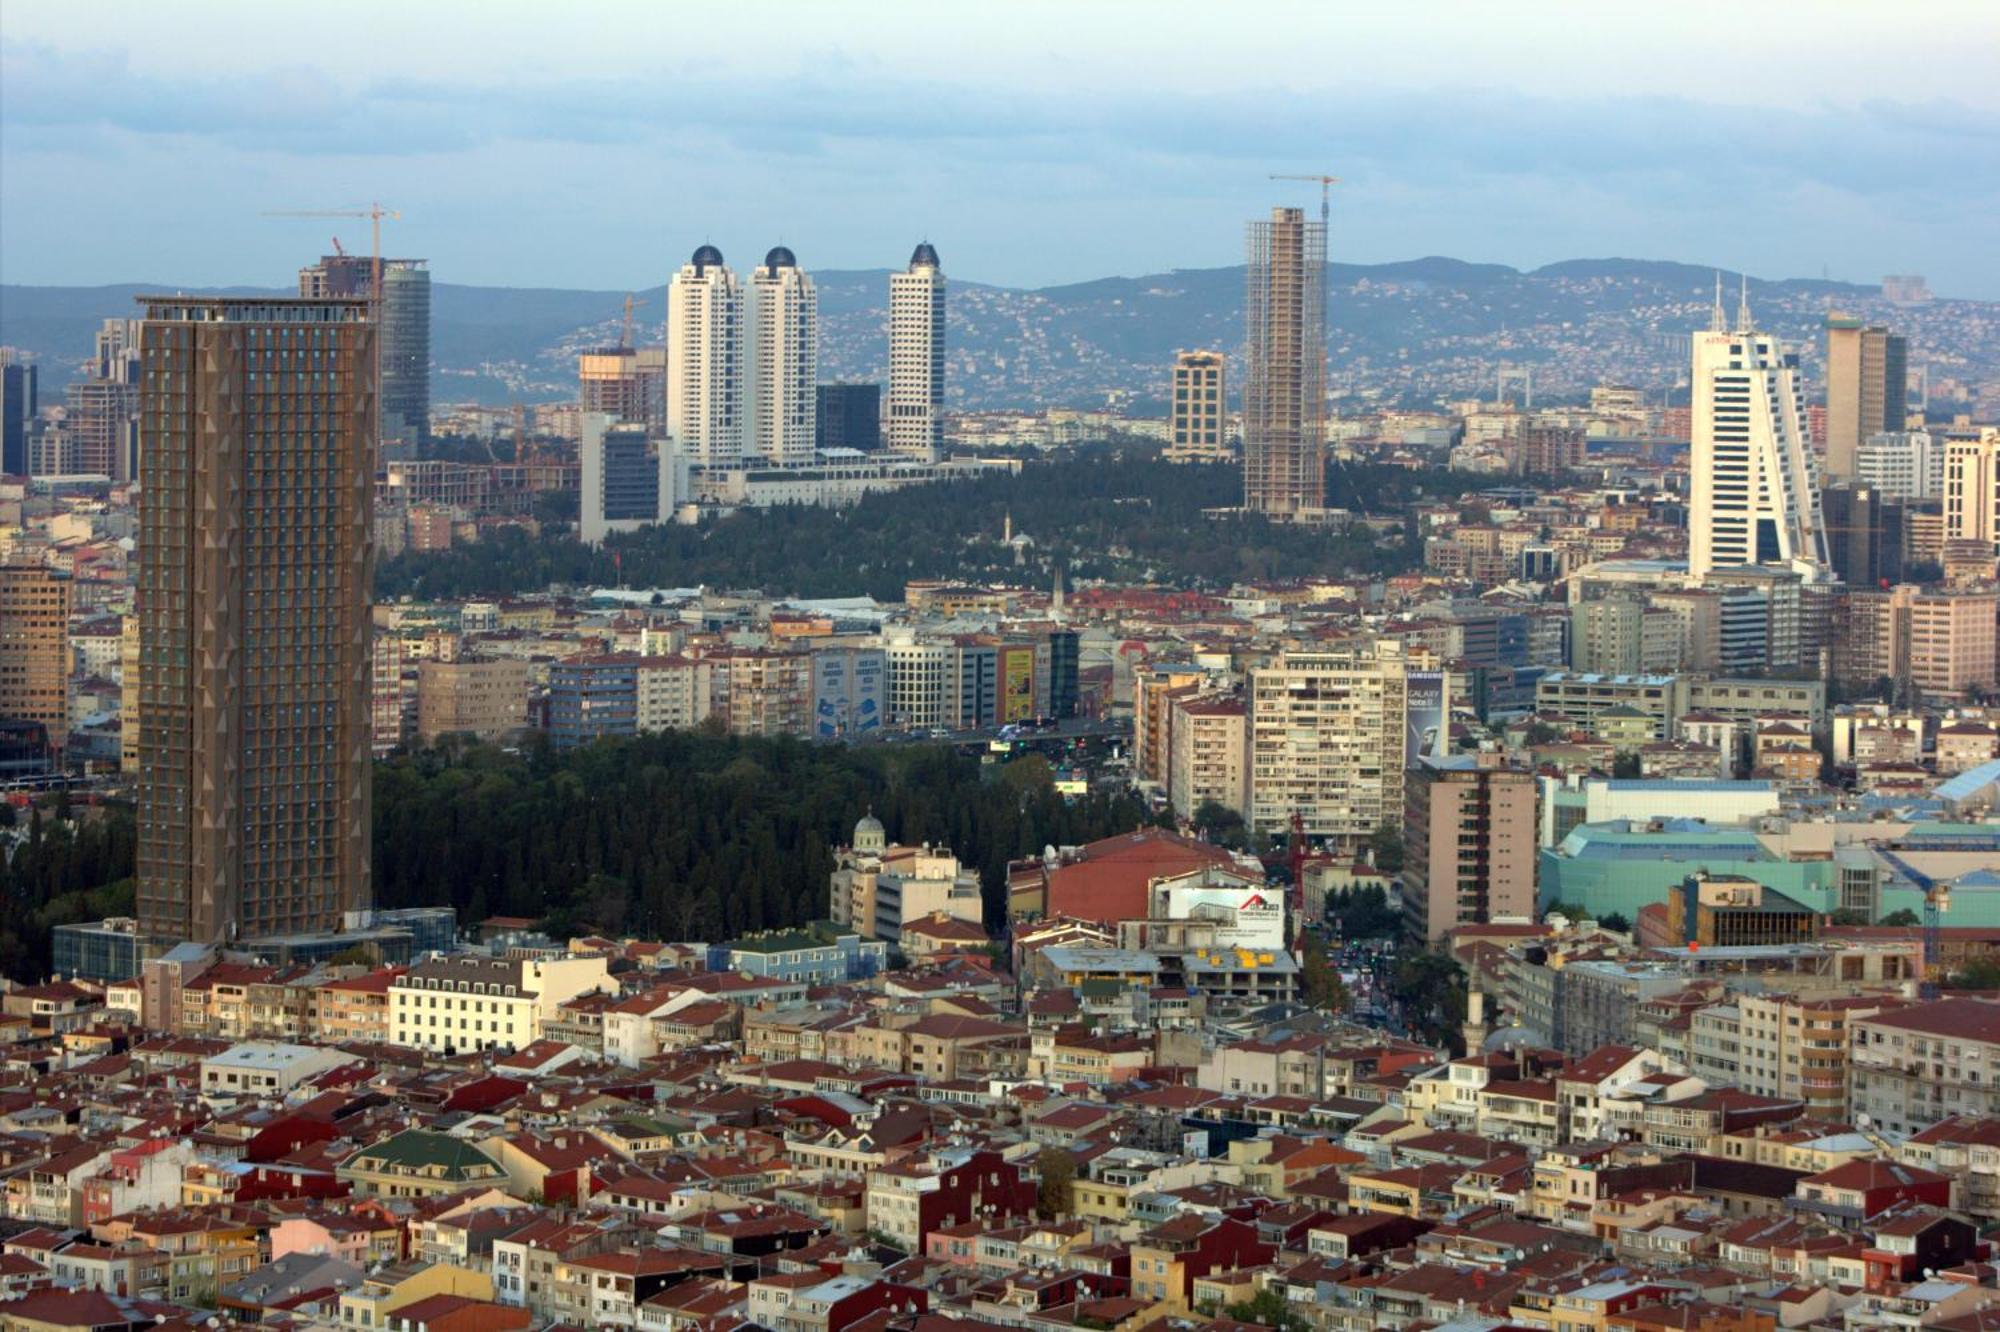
<point>34,649</point>
<point>1284,389</point>
<point>257,418</point>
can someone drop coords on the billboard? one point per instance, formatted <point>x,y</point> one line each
<point>1017,683</point>
<point>1250,915</point>
<point>1427,716</point>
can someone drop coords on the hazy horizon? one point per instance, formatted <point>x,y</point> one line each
<point>1035,144</point>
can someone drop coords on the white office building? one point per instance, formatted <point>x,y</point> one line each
<point>705,360</point>
<point>914,421</point>
<point>1755,491</point>
<point>1902,464</point>
<point>628,480</point>
<point>781,356</point>
<point>1972,488</point>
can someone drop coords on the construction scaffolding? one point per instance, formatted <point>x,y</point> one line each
<point>1284,390</point>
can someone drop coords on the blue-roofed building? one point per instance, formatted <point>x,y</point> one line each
<point>1974,786</point>
<point>1568,802</point>
<point>1625,864</point>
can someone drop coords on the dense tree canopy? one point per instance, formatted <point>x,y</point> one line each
<point>63,870</point>
<point>687,835</point>
<point>1101,512</point>
<point>695,835</point>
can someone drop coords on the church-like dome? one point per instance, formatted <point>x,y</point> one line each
<point>924,256</point>
<point>780,257</point>
<point>869,834</point>
<point>706,257</point>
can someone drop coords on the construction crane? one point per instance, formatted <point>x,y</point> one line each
<point>625,334</point>
<point>1326,184</point>
<point>374,212</point>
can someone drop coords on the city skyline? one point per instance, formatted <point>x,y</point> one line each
<point>1030,155</point>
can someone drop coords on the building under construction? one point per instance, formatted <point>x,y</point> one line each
<point>1284,390</point>
<point>405,337</point>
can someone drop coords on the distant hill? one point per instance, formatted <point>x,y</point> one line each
<point>1410,331</point>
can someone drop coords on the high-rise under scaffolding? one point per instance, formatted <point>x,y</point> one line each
<point>1284,389</point>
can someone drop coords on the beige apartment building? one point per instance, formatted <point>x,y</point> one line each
<point>674,693</point>
<point>34,648</point>
<point>1197,422</point>
<point>1943,640</point>
<point>1211,760</point>
<point>1797,1047</point>
<point>483,698</point>
<point>1470,845</point>
<point>763,693</point>
<point>1915,1066</point>
<point>1154,688</point>
<point>1951,646</point>
<point>1327,739</point>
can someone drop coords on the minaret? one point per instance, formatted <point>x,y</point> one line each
<point>1056,597</point>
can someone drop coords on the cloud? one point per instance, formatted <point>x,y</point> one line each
<point>1034,185</point>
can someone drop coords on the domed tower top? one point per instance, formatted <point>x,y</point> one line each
<point>870,835</point>
<point>778,258</point>
<point>924,256</point>
<point>706,257</point>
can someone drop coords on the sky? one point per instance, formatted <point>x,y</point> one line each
<point>595,145</point>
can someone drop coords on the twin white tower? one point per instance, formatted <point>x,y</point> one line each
<point>742,377</point>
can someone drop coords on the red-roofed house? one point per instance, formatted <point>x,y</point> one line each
<point>1106,881</point>
<point>456,1313</point>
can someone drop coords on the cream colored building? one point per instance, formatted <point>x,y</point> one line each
<point>1797,1048</point>
<point>1972,488</point>
<point>781,357</point>
<point>1210,740</point>
<point>1198,418</point>
<point>913,415</point>
<point>704,362</point>
<point>876,888</point>
<point>674,693</point>
<point>487,699</point>
<point>478,1003</point>
<point>1327,739</point>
